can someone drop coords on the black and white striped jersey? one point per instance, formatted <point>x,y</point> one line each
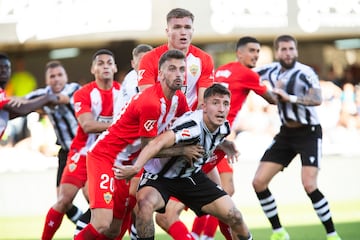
<point>189,129</point>
<point>61,116</point>
<point>295,81</point>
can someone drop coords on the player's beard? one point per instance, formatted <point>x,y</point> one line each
<point>288,65</point>
<point>174,86</point>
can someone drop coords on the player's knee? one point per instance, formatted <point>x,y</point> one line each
<point>258,184</point>
<point>112,233</point>
<point>229,189</point>
<point>233,218</point>
<point>104,227</point>
<point>144,208</point>
<point>64,203</point>
<point>309,187</point>
<point>255,184</point>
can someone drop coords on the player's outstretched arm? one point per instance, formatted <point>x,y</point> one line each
<point>22,108</point>
<point>164,140</point>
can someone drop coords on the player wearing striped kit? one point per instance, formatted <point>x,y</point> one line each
<point>298,90</point>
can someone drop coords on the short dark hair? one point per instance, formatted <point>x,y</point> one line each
<point>216,88</point>
<point>53,64</point>
<point>4,56</point>
<point>284,38</point>
<point>141,48</point>
<point>245,40</point>
<point>171,54</point>
<point>179,13</point>
<point>102,51</point>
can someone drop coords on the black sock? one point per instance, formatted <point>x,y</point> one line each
<point>83,221</point>
<point>269,207</point>
<point>74,213</point>
<point>322,209</point>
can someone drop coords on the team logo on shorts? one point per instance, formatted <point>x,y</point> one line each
<point>107,197</point>
<point>72,167</point>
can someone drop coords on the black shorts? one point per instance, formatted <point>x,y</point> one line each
<point>62,157</point>
<point>306,141</point>
<point>195,191</point>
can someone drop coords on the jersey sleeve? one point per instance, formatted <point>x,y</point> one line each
<point>311,77</point>
<point>148,69</point>
<point>82,102</point>
<point>148,124</point>
<point>187,131</point>
<point>254,83</point>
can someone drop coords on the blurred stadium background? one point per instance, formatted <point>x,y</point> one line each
<point>71,30</point>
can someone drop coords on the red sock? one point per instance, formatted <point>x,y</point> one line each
<point>199,224</point>
<point>52,223</point>
<point>127,220</point>
<point>126,224</point>
<point>225,230</point>
<point>88,233</point>
<point>178,231</point>
<point>211,226</point>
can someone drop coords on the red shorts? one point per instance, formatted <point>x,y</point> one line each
<point>104,190</point>
<point>75,170</point>
<point>224,166</point>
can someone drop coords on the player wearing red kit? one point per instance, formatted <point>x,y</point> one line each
<point>148,114</point>
<point>199,76</point>
<point>238,77</point>
<point>199,64</point>
<point>94,107</point>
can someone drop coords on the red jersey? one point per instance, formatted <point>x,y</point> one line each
<point>239,79</point>
<point>4,115</point>
<point>148,114</point>
<point>199,70</point>
<point>100,103</point>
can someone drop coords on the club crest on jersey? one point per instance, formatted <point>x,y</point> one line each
<point>149,125</point>
<point>72,167</point>
<point>77,106</point>
<point>194,69</point>
<point>107,197</point>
